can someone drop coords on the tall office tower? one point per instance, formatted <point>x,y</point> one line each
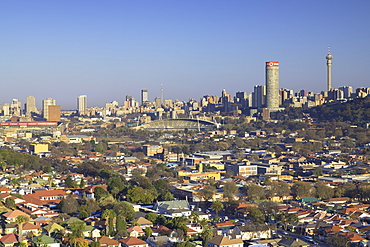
<point>81,104</point>
<point>53,113</point>
<point>30,106</point>
<point>329,57</point>
<point>144,96</point>
<point>259,96</point>
<point>347,91</point>
<point>45,106</point>
<point>272,85</point>
<point>241,98</point>
<point>158,102</point>
<point>16,108</point>
<point>6,109</point>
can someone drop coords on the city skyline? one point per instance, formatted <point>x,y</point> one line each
<point>108,50</point>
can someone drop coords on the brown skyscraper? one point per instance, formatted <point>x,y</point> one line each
<point>53,113</point>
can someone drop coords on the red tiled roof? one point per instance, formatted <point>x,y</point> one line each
<point>14,214</point>
<point>3,188</point>
<point>9,238</point>
<point>352,236</point>
<point>47,193</point>
<point>107,241</point>
<point>30,226</point>
<point>130,241</point>
<point>225,223</point>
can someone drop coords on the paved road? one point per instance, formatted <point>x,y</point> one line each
<point>294,235</point>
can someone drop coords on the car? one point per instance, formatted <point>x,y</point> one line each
<point>308,237</point>
<point>285,233</point>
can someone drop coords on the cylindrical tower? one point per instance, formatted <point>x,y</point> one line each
<point>329,57</point>
<point>272,85</point>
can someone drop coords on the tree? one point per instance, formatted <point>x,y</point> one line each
<point>148,231</point>
<point>163,187</point>
<point>10,203</point>
<point>99,193</point>
<point>206,234</point>
<point>256,215</point>
<point>287,219</point>
<point>69,182</point>
<point>69,205</point>
<point>124,209</point>
<point>76,232</point>
<point>108,215</point>
<point>115,185</point>
<point>364,191</point>
<point>167,197</point>
<point>194,216</point>
<point>82,243</point>
<point>20,220</point>
<point>82,183</point>
<point>92,206</point>
<point>302,189</point>
<point>83,215</point>
<point>268,208</point>
<point>337,241</point>
<point>323,191</point>
<point>230,189</point>
<point>121,226</point>
<point>254,191</point>
<point>217,206</point>
<point>207,193</point>
<point>152,216</point>
<point>95,244</point>
<point>140,195</point>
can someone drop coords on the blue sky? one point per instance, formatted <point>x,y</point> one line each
<point>108,49</point>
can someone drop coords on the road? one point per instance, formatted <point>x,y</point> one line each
<point>293,235</point>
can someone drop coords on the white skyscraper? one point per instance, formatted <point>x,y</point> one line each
<point>82,104</point>
<point>144,96</point>
<point>45,104</point>
<point>30,105</point>
<point>272,86</point>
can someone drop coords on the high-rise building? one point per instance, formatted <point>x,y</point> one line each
<point>259,96</point>
<point>241,98</point>
<point>16,108</point>
<point>82,104</point>
<point>272,85</point>
<point>144,96</point>
<point>329,57</point>
<point>30,106</point>
<point>45,109</point>
<point>347,90</point>
<point>53,113</point>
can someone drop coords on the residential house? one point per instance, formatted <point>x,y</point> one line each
<point>133,242</point>
<point>250,232</point>
<point>9,240</point>
<point>143,222</point>
<point>136,231</point>
<point>293,242</point>
<point>164,206</point>
<point>226,241</point>
<point>29,228</point>
<point>45,240</point>
<point>53,228</point>
<point>10,216</point>
<point>108,242</point>
<point>9,228</point>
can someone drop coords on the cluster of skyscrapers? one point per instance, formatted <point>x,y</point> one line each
<point>264,98</point>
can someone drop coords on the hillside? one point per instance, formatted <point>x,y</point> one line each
<point>356,111</point>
